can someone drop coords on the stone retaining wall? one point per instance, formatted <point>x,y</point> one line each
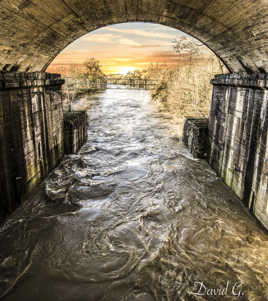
<point>238,136</point>
<point>31,132</point>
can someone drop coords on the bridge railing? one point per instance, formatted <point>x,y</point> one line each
<point>131,83</point>
<point>74,86</point>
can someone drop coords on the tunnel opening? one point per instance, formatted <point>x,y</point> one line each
<point>136,218</point>
<point>154,56</point>
<point>220,153</point>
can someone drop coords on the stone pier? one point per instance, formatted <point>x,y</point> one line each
<point>31,132</point>
<point>238,137</point>
<point>195,136</point>
<point>75,131</point>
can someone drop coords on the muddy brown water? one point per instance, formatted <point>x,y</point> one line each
<point>132,217</point>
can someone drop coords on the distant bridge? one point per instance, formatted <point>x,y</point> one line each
<point>72,84</point>
<point>131,83</point>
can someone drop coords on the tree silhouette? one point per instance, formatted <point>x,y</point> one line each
<point>93,70</point>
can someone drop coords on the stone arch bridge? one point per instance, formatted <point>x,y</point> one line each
<point>33,32</point>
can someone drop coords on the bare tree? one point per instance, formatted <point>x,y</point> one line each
<point>93,70</point>
<point>187,46</point>
<point>185,89</point>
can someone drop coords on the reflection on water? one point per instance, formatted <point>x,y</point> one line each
<point>132,217</point>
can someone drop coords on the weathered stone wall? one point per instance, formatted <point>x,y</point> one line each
<point>75,131</point>
<point>31,132</point>
<point>32,33</point>
<point>239,140</point>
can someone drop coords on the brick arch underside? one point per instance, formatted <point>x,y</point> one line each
<point>33,32</point>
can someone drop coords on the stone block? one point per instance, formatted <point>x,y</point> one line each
<point>195,136</point>
<point>75,131</point>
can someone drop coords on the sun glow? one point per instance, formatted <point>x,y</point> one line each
<point>126,69</point>
<point>120,48</point>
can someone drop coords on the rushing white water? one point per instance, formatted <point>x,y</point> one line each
<point>132,217</point>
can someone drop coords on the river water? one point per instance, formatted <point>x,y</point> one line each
<point>132,217</point>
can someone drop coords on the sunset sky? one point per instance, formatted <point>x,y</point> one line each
<point>123,47</point>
